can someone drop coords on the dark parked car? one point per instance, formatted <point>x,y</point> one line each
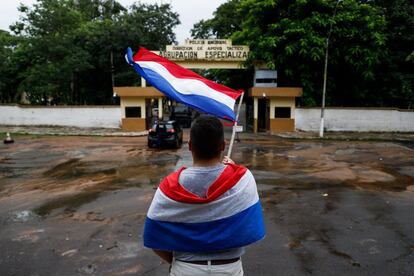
<point>182,115</point>
<point>165,134</point>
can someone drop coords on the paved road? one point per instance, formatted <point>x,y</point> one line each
<point>76,206</point>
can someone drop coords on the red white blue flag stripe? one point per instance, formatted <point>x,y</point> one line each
<point>229,217</point>
<point>183,85</point>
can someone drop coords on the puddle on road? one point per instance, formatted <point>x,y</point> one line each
<point>106,164</point>
<point>307,165</point>
<point>69,203</point>
<point>18,164</point>
<point>88,172</point>
<point>407,144</point>
<point>407,170</point>
<point>22,216</point>
<point>83,196</point>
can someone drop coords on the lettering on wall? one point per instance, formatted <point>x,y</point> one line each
<point>206,49</point>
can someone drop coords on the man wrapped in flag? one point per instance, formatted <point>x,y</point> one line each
<point>201,217</point>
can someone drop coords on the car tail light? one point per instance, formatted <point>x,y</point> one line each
<point>171,130</point>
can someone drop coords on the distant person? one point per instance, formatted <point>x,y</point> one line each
<point>201,217</point>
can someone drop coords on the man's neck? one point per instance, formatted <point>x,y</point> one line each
<point>206,163</point>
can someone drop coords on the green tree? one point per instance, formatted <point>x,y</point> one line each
<point>224,23</point>
<point>290,36</point>
<point>69,50</point>
<point>6,46</point>
<point>55,60</point>
<point>395,84</point>
<point>141,25</point>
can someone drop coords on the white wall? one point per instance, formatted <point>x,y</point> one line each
<point>356,119</point>
<point>76,116</point>
<point>307,119</point>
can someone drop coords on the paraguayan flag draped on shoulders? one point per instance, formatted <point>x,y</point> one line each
<point>230,215</point>
<point>183,85</point>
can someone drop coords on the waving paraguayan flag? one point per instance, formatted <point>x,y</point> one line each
<point>183,85</point>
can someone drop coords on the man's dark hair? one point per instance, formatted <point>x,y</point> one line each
<point>207,137</point>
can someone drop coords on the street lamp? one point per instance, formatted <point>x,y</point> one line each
<point>325,73</point>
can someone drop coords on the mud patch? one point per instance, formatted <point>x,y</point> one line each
<point>74,168</point>
<point>69,203</point>
<point>335,174</point>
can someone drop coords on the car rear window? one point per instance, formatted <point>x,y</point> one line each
<point>163,126</point>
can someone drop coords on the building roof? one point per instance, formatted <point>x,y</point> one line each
<point>275,91</point>
<point>147,92</point>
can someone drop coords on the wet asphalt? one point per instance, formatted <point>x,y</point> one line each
<point>76,205</point>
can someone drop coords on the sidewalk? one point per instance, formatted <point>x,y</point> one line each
<point>298,135</point>
<point>338,136</point>
<point>351,136</point>
<point>69,131</point>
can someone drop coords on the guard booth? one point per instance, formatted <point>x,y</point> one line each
<point>273,107</point>
<point>138,105</point>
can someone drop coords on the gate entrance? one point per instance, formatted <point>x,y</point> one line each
<point>194,54</point>
<point>273,107</point>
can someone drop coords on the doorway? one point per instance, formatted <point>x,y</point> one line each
<point>263,120</point>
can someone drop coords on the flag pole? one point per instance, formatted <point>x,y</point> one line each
<point>234,127</point>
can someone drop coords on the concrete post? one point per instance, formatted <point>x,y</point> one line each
<point>255,113</point>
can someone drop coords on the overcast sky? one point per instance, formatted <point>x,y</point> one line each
<point>190,12</point>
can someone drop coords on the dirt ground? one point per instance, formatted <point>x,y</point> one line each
<point>76,205</point>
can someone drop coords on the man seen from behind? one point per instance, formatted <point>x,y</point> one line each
<point>202,217</point>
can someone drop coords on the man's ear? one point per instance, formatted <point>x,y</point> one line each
<point>190,145</point>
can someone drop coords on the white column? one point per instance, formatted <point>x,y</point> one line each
<point>255,113</point>
<point>143,82</point>
<point>255,107</point>
<point>160,108</point>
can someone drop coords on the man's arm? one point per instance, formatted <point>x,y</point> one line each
<point>165,255</point>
